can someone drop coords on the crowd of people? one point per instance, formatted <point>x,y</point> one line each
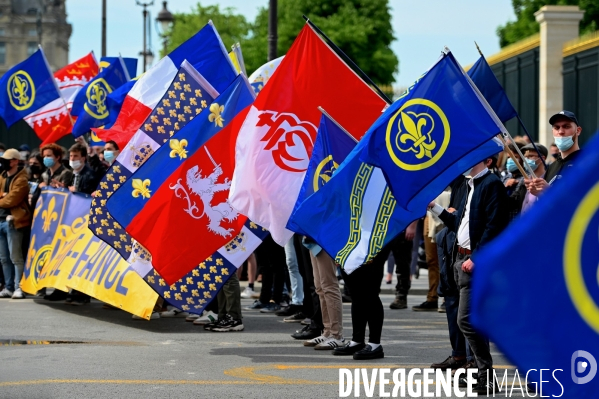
<point>300,281</point>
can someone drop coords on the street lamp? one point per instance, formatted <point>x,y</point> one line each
<point>146,54</point>
<point>165,20</point>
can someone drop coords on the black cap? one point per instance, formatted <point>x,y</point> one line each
<point>530,147</point>
<point>24,147</point>
<point>564,114</point>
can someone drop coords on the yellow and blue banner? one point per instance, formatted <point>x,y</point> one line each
<point>541,307</point>
<point>64,254</point>
<point>130,64</point>
<point>26,87</point>
<point>421,139</point>
<point>90,104</point>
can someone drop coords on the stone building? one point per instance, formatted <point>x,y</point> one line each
<point>20,31</point>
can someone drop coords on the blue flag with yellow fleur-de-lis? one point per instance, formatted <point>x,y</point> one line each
<point>421,137</point>
<point>331,147</point>
<point>26,87</point>
<point>89,105</point>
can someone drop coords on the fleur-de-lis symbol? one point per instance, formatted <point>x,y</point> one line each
<point>423,144</point>
<point>97,98</point>
<point>141,188</point>
<point>49,215</point>
<point>215,114</point>
<point>178,148</point>
<point>19,90</point>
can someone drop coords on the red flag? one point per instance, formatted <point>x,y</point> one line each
<point>276,140</point>
<point>52,121</point>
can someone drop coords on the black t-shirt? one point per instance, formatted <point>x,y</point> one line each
<point>4,212</point>
<point>557,168</point>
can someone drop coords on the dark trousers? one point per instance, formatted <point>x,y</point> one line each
<point>366,307</point>
<point>402,254</point>
<point>478,344</point>
<point>272,258</point>
<point>458,342</point>
<point>311,305</point>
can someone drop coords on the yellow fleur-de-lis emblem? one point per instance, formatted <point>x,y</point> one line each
<point>181,118</point>
<point>212,269</point>
<point>219,262</point>
<point>104,185</point>
<point>209,259</point>
<point>151,280</point>
<point>195,272</point>
<point>141,188</point>
<point>171,94</point>
<point>177,85</point>
<point>198,92</point>
<point>418,129</point>
<point>202,265</point>
<point>99,231</point>
<point>182,96</point>
<point>160,111</point>
<point>117,244</point>
<point>122,179</point>
<point>123,237</point>
<point>253,225</point>
<point>203,103</point>
<point>215,114</point>
<point>182,76</point>
<point>189,300</point>
<point>176,126</point>
<point>117,168</point>
<point>49,215</point>
<point>218,279</point>
<point>160,129</point>
<point>109,177</point>
<point>202,301</point>
<point>189,280</point>
<point>154,119</point>
<point>178,148</point>
<point>172,113</point>
<point>195,293</point>
<point>178,296</point>
<point>201,285</point>
<point>167,294</point>
<point>173,287</point>
<point>183,288</point>
<point>187,109</point>
<point>207,294</point>
<point>128,248</point>
<point>161,282</point>
<point>193,101</point>
<point>185,307</point>
<point>207,277</point>
<point>111,232</point>
<point>178,104</point>
<point>148,127</point>
<point>187,87</point>
<point>104,222</point>
<point>224,271</point>
<point>198,110</point>
<point>166,102</point>
<point>212,287</point>
<point>166,121</point>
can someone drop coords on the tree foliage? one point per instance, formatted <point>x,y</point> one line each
<point>526,25</point>
<point>361,28</point>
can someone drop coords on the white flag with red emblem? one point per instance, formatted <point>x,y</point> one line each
<point>52,121</point>
<point>276,140</point>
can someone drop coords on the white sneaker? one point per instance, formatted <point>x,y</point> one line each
<point>5,293</point>
<point>207,318</point>
<point>248,293</point>
<point>192,317</point>
<point>174,312</point>
<point>316,341</point>
<point>330,344</point>
<point>18,294</point>
<point>154,316</point>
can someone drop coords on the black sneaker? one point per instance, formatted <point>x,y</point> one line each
<point>305,333</point>
<point>218,323</point>
<point>484,385</point>
<point>271,308</point>
<point>426,307</point>
<point>296,318</point>
<point>368,353</point>
<point>289,310</point>
<point>449,363</point>
<point>348,350</point>
<point>400,302</point>
<point>229,325</point>
<point>257,305</point>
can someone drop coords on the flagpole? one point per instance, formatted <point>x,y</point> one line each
<point>325,113</point>
<point>348,60</point>
<point>56,86</point>
<point>519,119</point>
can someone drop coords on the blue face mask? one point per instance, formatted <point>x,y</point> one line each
<point>109,156</point>
<point>511,165</point>
<point>564,143</point>
<point>533,164</point>
<point>467,173</point>
<point>48,162</point>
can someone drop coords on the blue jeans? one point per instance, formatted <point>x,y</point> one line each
<point>297,284</point>
<point>11,255</point>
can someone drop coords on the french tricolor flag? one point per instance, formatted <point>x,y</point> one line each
<point>205,51</point>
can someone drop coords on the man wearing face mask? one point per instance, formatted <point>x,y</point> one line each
<point>111,151</point>
<point>537,165</point>
<point>56,174</point>
<point>566,132</point>
<point>84,179</point>
<point>15,217</point>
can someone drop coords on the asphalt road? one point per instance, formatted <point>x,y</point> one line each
<point>171,358</point>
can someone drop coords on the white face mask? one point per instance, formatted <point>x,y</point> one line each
<point>76,165</point>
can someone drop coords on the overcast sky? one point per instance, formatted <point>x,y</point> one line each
<point>422,28</point>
